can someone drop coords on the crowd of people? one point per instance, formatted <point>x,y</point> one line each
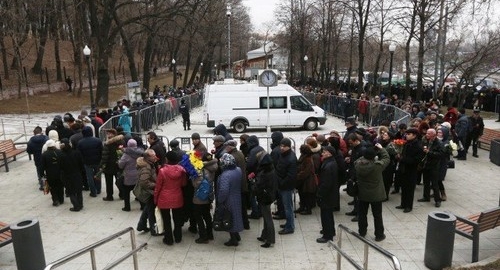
<point>70,158</point>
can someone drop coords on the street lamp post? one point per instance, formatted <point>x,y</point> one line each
<point>228,14</point>
<point>175,73</point>
<point>201,71</point>
<point>86,52</point>
<point>292,73</point>
<point>304,76</point>
<point>392,48</point>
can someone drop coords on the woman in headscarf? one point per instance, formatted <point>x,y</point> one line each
<point>128,163</point>
<point>169,198</point>
<point>229,195</point>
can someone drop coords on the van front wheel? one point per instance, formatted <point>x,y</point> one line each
<point>311,124</point>
<point>240,126</point>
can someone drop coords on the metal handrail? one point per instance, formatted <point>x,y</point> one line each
<point>368,243</point>
<point>91,250</point>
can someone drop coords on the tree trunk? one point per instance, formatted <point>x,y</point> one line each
<point>56,23</point>
<point>148,54</point>
<point>45,21</point>
<point>4,57</point>
<point>129,51</point>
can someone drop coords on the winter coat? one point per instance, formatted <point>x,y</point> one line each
<point>34,147</point>
<point>328,187</point>
<point>253,148</point>
<point>75,138</point>
<point>286,170</point>
<point>168,189</point>
<point>305,173</point>
<point>50,165</point>
<point>222,130</point>
<point>72,170</point>
<point>200,147</point>
<point>128,163</point>
<point>90,147</point>
<point>124,121</point>
<point>241,163</point>
<point>147,175</point>
<point>369,177</point>
<point>410,157</point>
<point>229,195</point>
<point>52,136</point>
<point>160,150</point>
<point>435,153</point>
<point>476,126</point>
<point>209,169</point>
<point>109,158</point>
<point>462,126</point>
<point>265,179</point>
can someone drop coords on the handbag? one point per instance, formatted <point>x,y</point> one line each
<point>159,221</point>
<point>421,165</point>
<point>141,194</point>
<point>352,188</point>
<point>451,163</point>
<point>223,220</point>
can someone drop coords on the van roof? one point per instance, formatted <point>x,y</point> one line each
<point>246,87</point>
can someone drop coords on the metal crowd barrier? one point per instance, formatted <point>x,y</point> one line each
<point>185,143</point>
<point>340,107</point>
<point>340,253</point>
<point>150,118</point>
<point>91,249</point>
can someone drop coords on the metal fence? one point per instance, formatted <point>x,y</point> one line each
<point>342,107</point>
<point>18,128</point>
<point>150,118</point>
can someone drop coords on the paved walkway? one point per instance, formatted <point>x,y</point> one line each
<point>471,187</point>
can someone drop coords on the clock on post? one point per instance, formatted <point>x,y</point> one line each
<point>268,78</point>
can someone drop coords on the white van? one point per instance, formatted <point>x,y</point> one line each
<point>239,105</point>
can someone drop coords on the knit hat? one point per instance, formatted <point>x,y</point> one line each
<point>195,136</point>
<point>132,143</point>
<point>330,149</point>
<point>369,153</point>
<point>413,131</point>
<point>51,143</point>
<point>231,143</point>
<point>174,144</point>
<point>286,142</point>
<point>350,120</point>
<point>172,157</point>
<point>219,138</point>
<point>227,161</point>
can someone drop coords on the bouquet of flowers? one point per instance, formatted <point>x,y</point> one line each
<point>192,163</point>
<point>398,145</point>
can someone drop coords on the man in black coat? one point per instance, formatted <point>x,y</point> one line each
<point>357,147</point>
<point>252,165</point>
<point>475,131</point>
<point>184,111</point>
<point>161,151</point>
<point>91,149</point>
<point>286,173</point>
<point>434,151</point>
<point>34,148</point>
<point>328,193</point>
<point>408,160</point>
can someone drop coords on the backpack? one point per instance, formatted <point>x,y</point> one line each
<point>204,190</point>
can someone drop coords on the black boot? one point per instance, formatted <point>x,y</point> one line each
<point>233,241</point>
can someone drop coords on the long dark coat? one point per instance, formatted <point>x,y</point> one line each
<point>328,188</point>
<point>229,195</point>
<point>71,164</point>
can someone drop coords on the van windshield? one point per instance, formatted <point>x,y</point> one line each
<point>299,103</point>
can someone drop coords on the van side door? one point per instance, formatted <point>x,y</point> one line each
<point>278,111</point>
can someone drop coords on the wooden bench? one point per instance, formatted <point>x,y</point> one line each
<point>5,236</point>
<point>489,134</point>
<point>8,150</point>
<point>471,226</point>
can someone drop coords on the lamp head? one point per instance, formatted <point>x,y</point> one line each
<point>392,47</point>
<point>86,51</point>
<point>306,58</point>
<point>228,10</point>
<point>173,61</point>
